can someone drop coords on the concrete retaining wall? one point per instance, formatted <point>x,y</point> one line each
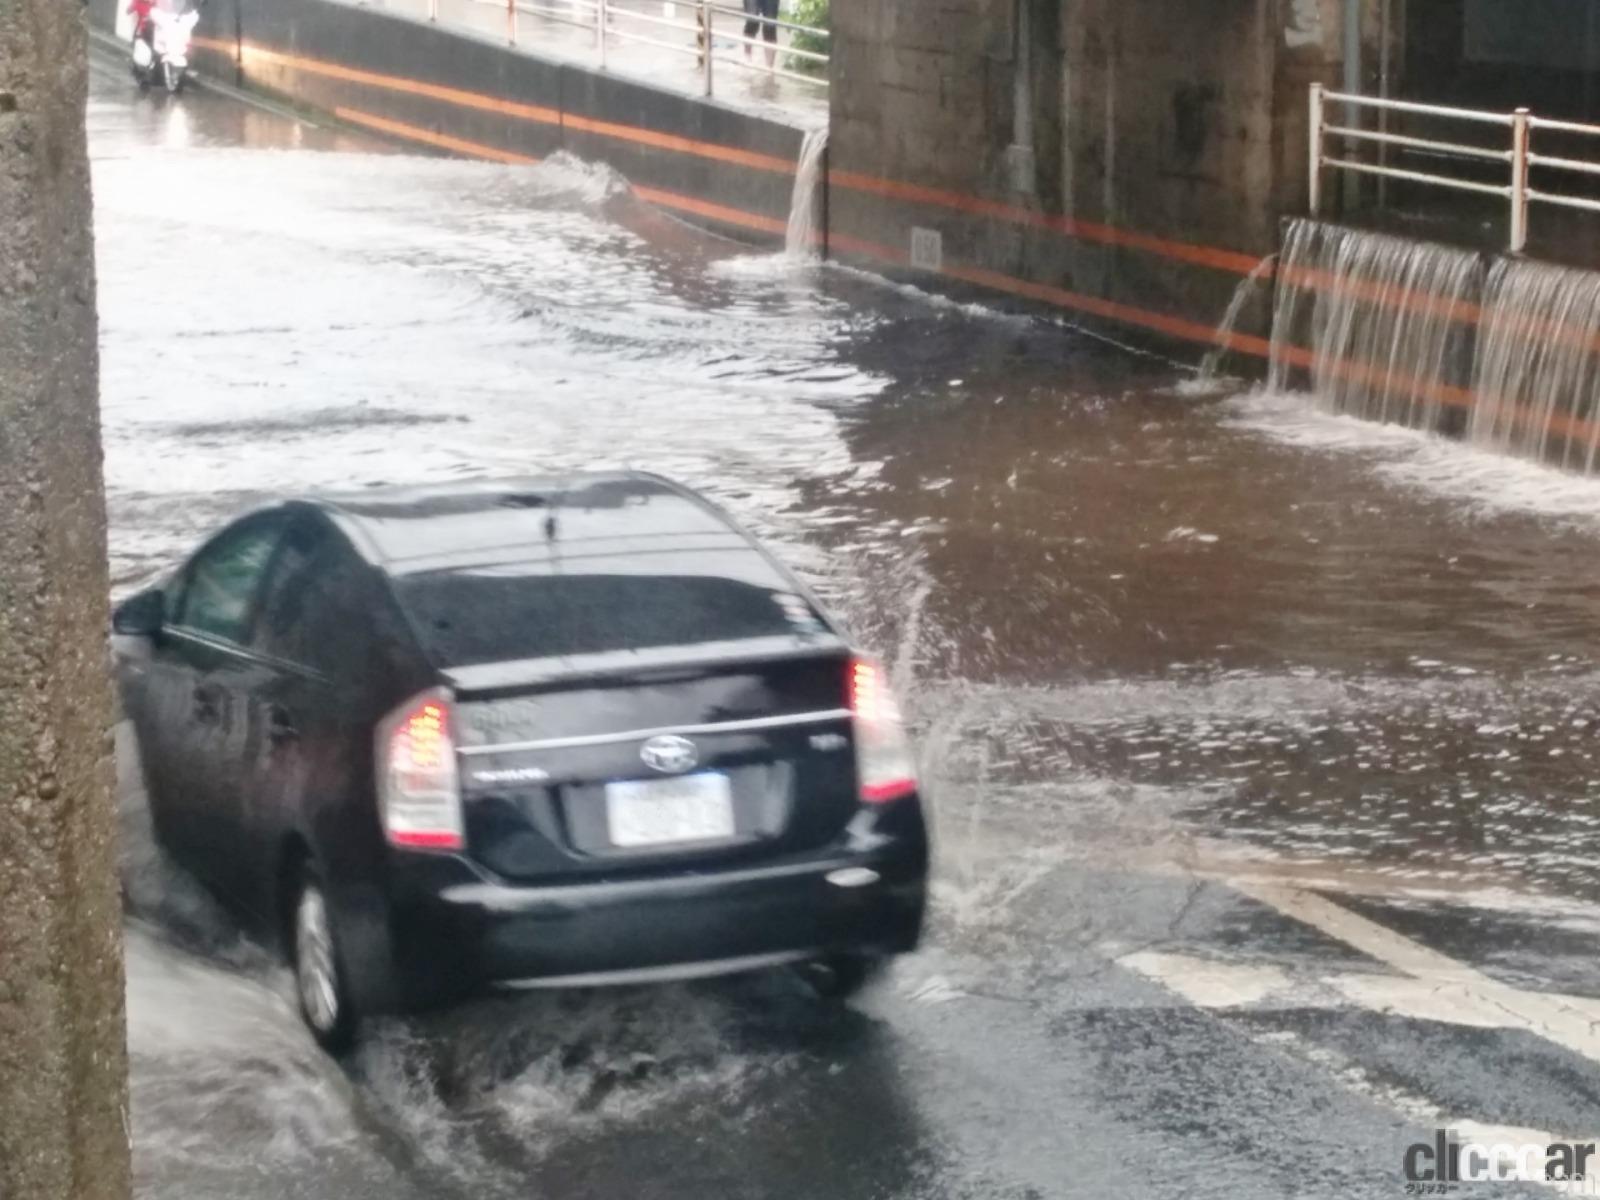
<point>1127,160</point>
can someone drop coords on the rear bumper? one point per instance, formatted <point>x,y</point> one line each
<point>466,936</point>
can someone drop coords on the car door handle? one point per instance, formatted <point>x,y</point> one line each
<point>207,704</point>
<point>280,725</point>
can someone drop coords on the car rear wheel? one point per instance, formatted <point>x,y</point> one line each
<point>840,976</point>
<point>160,823</point>
<point>318,973</point>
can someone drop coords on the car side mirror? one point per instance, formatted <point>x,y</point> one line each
<point>140,615</point>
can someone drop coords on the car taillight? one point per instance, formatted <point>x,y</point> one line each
<point>885,769</point>
<point>419,796</point>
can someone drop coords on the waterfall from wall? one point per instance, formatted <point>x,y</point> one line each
<point>1431,337</point>
<point>1373,324</point>
<point>803,241</point>
<point>1537,374</point>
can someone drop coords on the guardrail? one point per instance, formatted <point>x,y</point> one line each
<point>1519,156</point>
<point>698,36</point>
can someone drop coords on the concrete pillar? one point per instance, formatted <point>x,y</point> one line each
<point>63,1060</point>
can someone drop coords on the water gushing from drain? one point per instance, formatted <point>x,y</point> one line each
<point>1382,317</point>
<point>1230,320</point>
<point>803,240</point>
<point>1536,379</point>
<point>1429,336</point>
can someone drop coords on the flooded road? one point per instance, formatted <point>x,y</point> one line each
<point>1261,741</point>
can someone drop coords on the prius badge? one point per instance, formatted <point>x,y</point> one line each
<point>669,754</point>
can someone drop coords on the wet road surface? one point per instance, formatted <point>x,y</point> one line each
<point>1261,741</point>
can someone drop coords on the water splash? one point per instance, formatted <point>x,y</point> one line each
<point>1383,319</point>
<point>1230,322</point>
<point>1536,379</point>
<point>803,240</point>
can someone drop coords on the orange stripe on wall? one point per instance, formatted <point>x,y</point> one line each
<point>681,145</point>
<point>854,245</point>
<point>666,199</point>
<point>251,53</point>
<point>714,212</point>
<point>527,112</point>
<point>1386,295</point>
<point>1574,429</point>
<point>1205,256</point>
<point>442,140</point>
<point>1431,304</point>
<point>1127,314</point>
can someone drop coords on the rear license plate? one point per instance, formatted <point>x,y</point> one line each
<point>656,812</point>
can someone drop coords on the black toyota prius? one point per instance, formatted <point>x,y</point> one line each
<point>533,733</point>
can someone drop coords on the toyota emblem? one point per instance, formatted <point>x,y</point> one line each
<point>669,754</point>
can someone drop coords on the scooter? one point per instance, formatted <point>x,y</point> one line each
<point>163,56</point>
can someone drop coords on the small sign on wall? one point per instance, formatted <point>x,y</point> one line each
<point>1305,24</point>
<point>927,249</point>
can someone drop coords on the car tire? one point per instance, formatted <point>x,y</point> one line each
<point>840,976</point>
<point>320,982</point>
<point>161,824</point>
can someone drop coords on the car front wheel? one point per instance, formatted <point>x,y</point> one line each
<point>318,973</point>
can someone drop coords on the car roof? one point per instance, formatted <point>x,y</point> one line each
<point>530,519</point>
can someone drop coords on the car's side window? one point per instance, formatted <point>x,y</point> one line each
<point>281,630</point>
<point>320,605</point>
<point>221,585</point>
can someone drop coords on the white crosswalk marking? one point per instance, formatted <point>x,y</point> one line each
<point>1208,983</point>
<point>1566,1021</point>
<point>1424,985</point>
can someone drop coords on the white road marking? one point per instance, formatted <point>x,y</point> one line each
<point>1470,888</point>
<point>1424,1112</point>
<point>1428,986</point>
<point>1210,983</point>
<point>1207,983</point>
<point>1566,1021</point>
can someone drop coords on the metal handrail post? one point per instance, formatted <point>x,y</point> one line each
<point>601,10</point>
<point>1519,180</point>
<point>511,21</point>
<point>711,43</point>
<point>1316,149</point>
<point>1354,75</point>
<point>1385,26</point>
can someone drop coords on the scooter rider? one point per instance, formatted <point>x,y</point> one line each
<point>143,23</point>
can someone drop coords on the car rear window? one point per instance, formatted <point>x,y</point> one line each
<point>503,614</point>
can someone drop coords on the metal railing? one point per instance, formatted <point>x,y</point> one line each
<point>698,36</point>
<point>1519,156</point>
